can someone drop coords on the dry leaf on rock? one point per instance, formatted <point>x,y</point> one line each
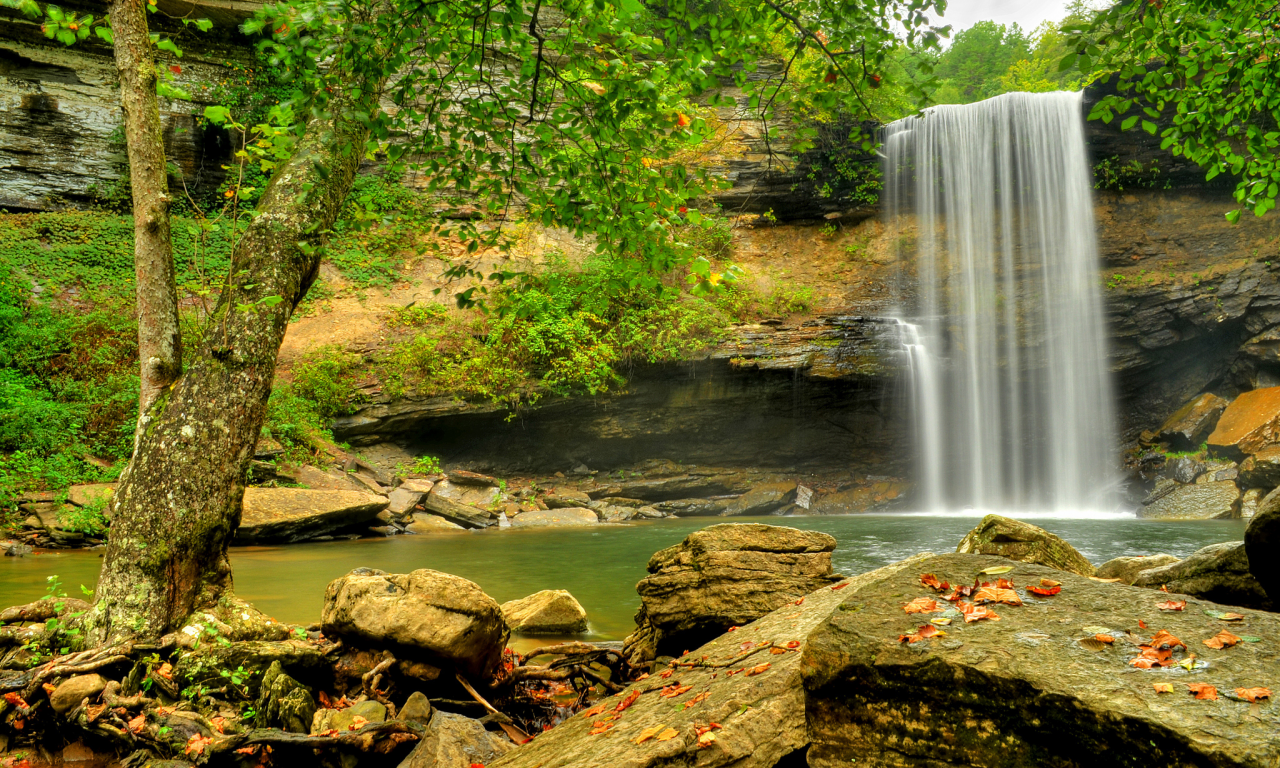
<point>628,701</point>
<point>668,734</point>
<point>1223,639</point>
<point>758,669</point>
<point>1172,605</point>
<point>1203,691</point>
<point>647,733</point>
<point>997,595</point>
<point>921,605</point>
<point>1163,687</point>
<point>1251,695</point>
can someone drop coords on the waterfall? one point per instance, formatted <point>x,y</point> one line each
<point>990,208</point>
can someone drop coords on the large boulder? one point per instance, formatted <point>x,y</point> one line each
<point>746,681</point>
<point>68,695</point>
<point>1025,690</point>
<point>454,741</point>
<point>1191,425</point>
<point>1200,501</point>
<point>723,576</point>
<point>1249,424</point>
<point>91,494</point>
<point>440,617</point>
<point>470,506</point>
<point>1126,569</point>
<point>549,612</point>
<point>1262,469</point>
<point>1262,549</point>
<point>692,507</point>
<point>1219,572</point>
<point>284,515</point>
<point>1023,542</point>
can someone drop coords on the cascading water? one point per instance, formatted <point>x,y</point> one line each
<point>1012,397</point>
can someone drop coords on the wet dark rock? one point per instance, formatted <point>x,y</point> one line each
<point>1262,548</point>
<point>1184,469</point>
<point>691,507</point>
<point>1023,542</point>
<point>1191,424</point>
<point>1023,691</point>
<point>454,741</point>
<point>1199,501</point>
<point>283,515</point>
<point>762,499</point>
<point>437,616</point>
<point>720,577</point>
<point>1219,572</point>
<point>1126,569</point>
<point>463,477</point>
<point>284,702</point>
<point>1262,469</point>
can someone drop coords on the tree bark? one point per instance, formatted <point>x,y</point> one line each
<point>159,336</point>
<point>178,503</point>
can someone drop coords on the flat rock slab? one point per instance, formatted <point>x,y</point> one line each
<point>570,516</point>
<point>1191,424</point>
<point>465,505</point>
<point>1218,572</point>
<point>1199,501</point>
<point>92,493</point>
<point>762,715</point>
<point>284,515</point>
<point>1023,691</point>
<point>1249,424</point>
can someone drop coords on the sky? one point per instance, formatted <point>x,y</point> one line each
<point>1028,14</point>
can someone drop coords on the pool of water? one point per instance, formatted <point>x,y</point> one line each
<point>600,565</point>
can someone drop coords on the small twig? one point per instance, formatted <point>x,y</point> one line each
<point>369,682</point>
<point>723,664</point>
<point>508,725</point>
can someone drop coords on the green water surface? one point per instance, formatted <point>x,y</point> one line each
<point>600,564</point>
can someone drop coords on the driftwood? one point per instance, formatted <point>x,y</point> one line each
<point>363,738</point>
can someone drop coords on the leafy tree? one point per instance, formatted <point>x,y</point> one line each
<point>1208,69</point>
<point>970,69</point>
<point>1040,72</point>
<point>578,109</point>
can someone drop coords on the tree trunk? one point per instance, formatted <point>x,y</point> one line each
<point>178,503</point>
<point>159,337</point>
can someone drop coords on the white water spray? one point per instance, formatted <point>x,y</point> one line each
<point>1013,400</point>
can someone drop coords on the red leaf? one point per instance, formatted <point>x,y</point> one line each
<point>1044,591</point>
<point>175,69</point>
<point>628,701</point>
<point>1142,624</point>
<point>840,586</point>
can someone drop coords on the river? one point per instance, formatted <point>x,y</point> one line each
<point>600,564</point>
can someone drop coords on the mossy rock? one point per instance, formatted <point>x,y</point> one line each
<point>1023,542</point>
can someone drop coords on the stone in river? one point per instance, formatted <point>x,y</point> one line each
<point>612,513</point>
<point>455,741</point>
<point>549,612</point>
<point>1249,424</point>
<point>1191,424</point>
<point>441,617</point>
<point>1023,691</point>
<point>468,506</point>
<point>1262,547</point>
<point>284,515</point>
<point>571,516</point>
<point>417,708</point>
<point>691,507</point>
<point>1023,542</point>
<point>402,500</point>
<point>761,709</point>
<point>723,576</point>
<point>1126,569</point>
<point>1200,501</point>
<point>566,498</point>
<point>762,499</point>
<point>1261,470</point>
<point>426,523</point>
<point>463,477</point>
<point>1219,572</point>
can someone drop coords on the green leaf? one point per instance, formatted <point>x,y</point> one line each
<point>204,25</point>
<point>1067,62</point>
<point>66,37</point>
<point>1129,122</point>
<point>217,115</point>
<point>995,570</point>
<point>165,44</point>
<point>1149,127</point>
<point>1233,216</point>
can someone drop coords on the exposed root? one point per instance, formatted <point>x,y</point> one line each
<point>369,683</point>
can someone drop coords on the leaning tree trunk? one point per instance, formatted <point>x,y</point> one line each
<point>159,337</point>
<point>178,503</point>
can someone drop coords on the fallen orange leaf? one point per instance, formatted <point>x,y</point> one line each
<point>921,605</point>
<point>668,734</point>
<point>1172,605</point>
<point>840,586</point>
<point>793,644</point>
<point>697,699</point>
<point>672,691</point>
<point>1251,695</point>
<point>974,613</point>
<point>597,709</point>
<point>706,740</point>
<point>628,701</point>
<point>1162,640</point>
<point>1163,687</point>
<point>1044,591</point>
<point>1204,691</point>
<point>1223,639</point>
<point>196,744</point>
<point>1108,639</point>
<point>997,595</point>
<point>1050,583</point>
<point>758,669</point>
<point>1142,624</point>
<point>777,651</point>
<point>646,734</point>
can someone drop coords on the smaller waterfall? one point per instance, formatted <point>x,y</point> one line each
<point>991,207</point>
